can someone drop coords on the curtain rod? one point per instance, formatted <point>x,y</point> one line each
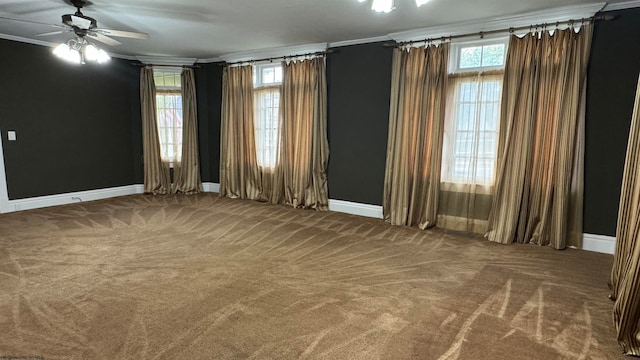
<point>317,53</point>
<point>481,34</point>
<point>165,65</point>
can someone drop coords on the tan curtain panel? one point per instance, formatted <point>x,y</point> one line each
<point>156,174</point>
<point>625,275</point>
<point>187,171</point>
<point>304,148</point>
<point>239,173</point>
<point>539,180</point>
<point>416,122</point>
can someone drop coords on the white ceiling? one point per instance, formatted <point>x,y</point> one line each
<point>206,29</point>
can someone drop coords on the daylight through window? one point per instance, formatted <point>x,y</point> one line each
<point>169,115</point>
<point>473,114</point>
<point>266,81</point>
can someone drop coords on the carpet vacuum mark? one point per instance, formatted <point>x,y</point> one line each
<point>202,277</point>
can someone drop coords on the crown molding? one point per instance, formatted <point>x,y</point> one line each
<point>524,19</point>
<point>52,44</point>
<point>274,52</point>
<point>26,40</point>
<point>622,5</point>
<point>164,60</point>
<point>360,41</point>
<point>209,60</point>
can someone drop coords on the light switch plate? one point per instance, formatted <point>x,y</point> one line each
<point>11,135</point>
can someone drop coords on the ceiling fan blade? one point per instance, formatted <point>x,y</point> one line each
<point>34,22</point>
<point>82,23</point>
<point>53,33</point>
<point>104,39</point>
<point>125,34</point>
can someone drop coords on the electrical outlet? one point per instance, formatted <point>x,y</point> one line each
<point>11,135</point>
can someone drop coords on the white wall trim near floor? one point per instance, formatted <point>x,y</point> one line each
<point>211,187</point>
<point>599,243</point>
<point>374,211</point>
<point>72,197</point>
<point>4,192</point>
<point>591,242</point>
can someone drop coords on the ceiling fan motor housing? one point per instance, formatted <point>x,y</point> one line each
<point>68,19</point>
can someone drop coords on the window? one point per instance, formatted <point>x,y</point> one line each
<point>169,114</point>
<point>267,79</point>
<point>473,113</point>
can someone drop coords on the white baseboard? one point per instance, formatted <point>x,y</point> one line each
<point>590,242</point>
<point>211,187</point>
<point>599,243</point>
<point>69,198</point>
<point>374,211</point>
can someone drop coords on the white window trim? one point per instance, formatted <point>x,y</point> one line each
<point>160,89</point>
<point>454,54</point>
<point>258,73</point>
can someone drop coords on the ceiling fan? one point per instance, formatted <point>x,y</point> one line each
<point>85,26</point>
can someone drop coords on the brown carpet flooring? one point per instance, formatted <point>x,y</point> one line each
<point>198,277</point>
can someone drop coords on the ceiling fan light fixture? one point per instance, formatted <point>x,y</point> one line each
<point>79,50</point>
<point>384,6</point>
<point>67,53</point>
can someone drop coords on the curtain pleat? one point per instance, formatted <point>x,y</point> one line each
<point>416,123</point>
<point>187,171</point>
<point>239,172</point>
<point>538,181</point>
<point>301,172</point>
<point>625,274</point>
<point>156,173</point>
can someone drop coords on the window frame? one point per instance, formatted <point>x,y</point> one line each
<point>260,86</point>
<point>448,180</point>
<point>456,48</point>
<point>258,79</point>
<point>167,90</point>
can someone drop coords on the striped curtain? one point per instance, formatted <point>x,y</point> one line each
<point>625,275</point>
<point>156,174</point>
<point>414,148</point>
<point>187,172</point>
<point>538,195</point>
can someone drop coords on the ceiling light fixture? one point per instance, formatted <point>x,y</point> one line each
<point>79,50</point>
<point>386,6</point>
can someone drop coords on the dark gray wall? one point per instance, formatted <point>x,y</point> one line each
<point>75,124</point>
<point>209,95</point>
<point>359,86</point>
<point>613,73</point>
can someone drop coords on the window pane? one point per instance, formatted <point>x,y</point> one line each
<point>266,123</point>
<point>473,125</point>
<point>493,55</point>
<point>470,57</point>
<point>169,118</point>
<point>158,79</point>
<point>268,76</point>
<point>278,74</point>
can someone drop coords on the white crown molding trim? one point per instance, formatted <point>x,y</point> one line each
<point>163,60</point>
<point>274,52</point>
<point>360,41</point>
<point>374,211</point>
<point>51,44</point>
<point>210,60</point>
<point>211,187</point>
<point>72,197</point>
<point>26,40</point>
<point>525,19</point>
<point>622,5</point>
<point>599,243</point>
